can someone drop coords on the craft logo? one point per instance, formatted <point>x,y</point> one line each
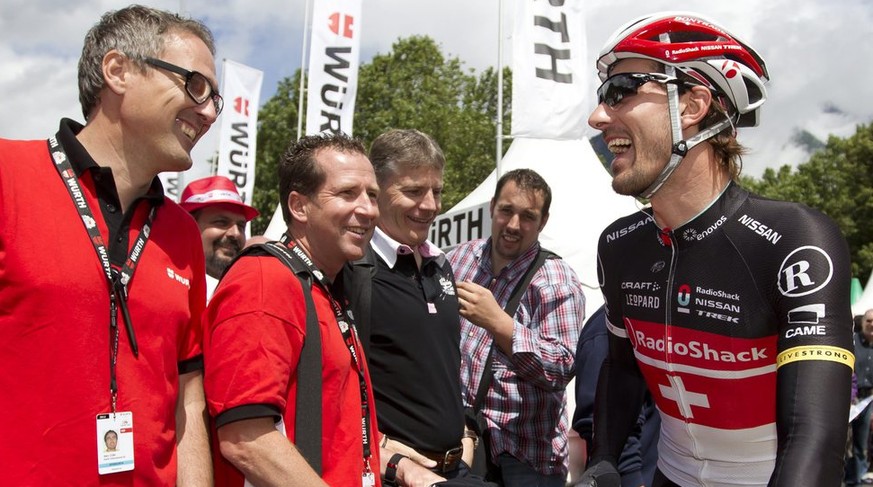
<point>241,105</point>
<point>683,297</point>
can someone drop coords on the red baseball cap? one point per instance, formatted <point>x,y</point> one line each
<point>214,190</point>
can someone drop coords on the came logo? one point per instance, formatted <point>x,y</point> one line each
<point>804,271</point>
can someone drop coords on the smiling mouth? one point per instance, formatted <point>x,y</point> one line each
<point>619,146</point>
<point>187,130</point>
<point>361,231</point>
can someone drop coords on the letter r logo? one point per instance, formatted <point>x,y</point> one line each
<point>796,276</point>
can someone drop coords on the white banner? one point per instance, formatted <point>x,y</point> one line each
<point>173,183</point>
<point>549,70</point>
<point>333,66</point>
<point>456,227</point>
<point>239,126</point>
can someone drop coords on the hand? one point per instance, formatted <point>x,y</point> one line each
<point>395,446</point>
<point>478,305</point>
<point>601,474</point>
<point>411,474</point>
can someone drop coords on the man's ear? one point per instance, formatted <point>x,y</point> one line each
<point>297,206</point>
<point>116,67</point>
<point>543,222</point>
<point>696,105</point>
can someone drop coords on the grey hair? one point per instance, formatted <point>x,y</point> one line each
<point>136,31</point>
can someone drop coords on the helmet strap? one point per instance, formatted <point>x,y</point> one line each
<point>680,146</point>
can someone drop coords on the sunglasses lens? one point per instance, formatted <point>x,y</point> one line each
<point>616,88</point>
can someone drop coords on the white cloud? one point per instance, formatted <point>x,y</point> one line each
<point>818,52</point>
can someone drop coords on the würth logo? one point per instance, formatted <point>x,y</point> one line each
<point>241,105</point>
<point>341,24</point>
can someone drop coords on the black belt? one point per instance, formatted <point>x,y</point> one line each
<point>447,460</point>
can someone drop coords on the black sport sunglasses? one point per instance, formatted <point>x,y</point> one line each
<point>622,85</point>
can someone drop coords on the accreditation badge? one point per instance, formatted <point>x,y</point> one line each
<point>368,480</point>
<point>114,442</point>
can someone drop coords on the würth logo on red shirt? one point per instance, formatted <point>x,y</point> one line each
<point>241,105</point>
<point>341,24</point>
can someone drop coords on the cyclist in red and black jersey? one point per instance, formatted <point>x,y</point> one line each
<point>732,309</point>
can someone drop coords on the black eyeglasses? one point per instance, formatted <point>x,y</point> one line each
<point>196,84</point>
<point>619,86</point>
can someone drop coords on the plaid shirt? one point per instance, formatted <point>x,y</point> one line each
<point>526,407</point>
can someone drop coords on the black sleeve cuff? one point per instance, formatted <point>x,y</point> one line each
<point>192,364</point>
<point>248,411</point>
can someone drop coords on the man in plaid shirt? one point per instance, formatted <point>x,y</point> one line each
<point>525,407</point>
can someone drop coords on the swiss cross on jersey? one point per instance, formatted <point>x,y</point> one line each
<point>707,378</point>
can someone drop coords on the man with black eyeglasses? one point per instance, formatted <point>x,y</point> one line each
<point>101,276</point>
<point>732,309</point>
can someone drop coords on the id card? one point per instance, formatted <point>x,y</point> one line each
<point>368,480</point>
<point>114,442</point>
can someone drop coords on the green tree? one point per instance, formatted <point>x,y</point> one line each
<point>838,180</point>
<point>416,86</point>
<point>277,127</point>
<point>413,86</point>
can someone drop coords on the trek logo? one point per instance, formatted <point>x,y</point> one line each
<point>341,24</point>
<point>697,349</point>
<point>683,297</point>
<point>241,106</point>
<point>178,278</point>
<point>804,271</point>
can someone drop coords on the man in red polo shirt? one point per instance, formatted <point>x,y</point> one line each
<point>255,328</point>
<point>101,277</point>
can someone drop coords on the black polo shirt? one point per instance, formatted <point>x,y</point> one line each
<point>414,349</point>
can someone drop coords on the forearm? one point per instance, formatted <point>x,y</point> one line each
<point>543,358</point>
<point>812,417</point>
<point>264,455</point>
<point>194,465</point>
<point>620,394</point>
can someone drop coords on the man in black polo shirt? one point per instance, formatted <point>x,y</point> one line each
<point>411,329</point>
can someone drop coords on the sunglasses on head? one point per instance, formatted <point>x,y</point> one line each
<point>197,85</point>
<point>619,86</point>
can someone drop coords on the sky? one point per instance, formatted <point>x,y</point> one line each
<point>818,52</point>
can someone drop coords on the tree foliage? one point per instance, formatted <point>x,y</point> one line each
<point>277,127</point>
<point>413,86</point>
<point>838,180</point>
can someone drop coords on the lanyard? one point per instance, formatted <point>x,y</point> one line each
<point>117,278</point>
<point>347,328</point>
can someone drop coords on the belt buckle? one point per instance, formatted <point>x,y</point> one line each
<point>453,454</point>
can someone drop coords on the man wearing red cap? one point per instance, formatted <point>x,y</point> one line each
<point>221,215</point>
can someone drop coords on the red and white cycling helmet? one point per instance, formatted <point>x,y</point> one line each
<point>701,49</point>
